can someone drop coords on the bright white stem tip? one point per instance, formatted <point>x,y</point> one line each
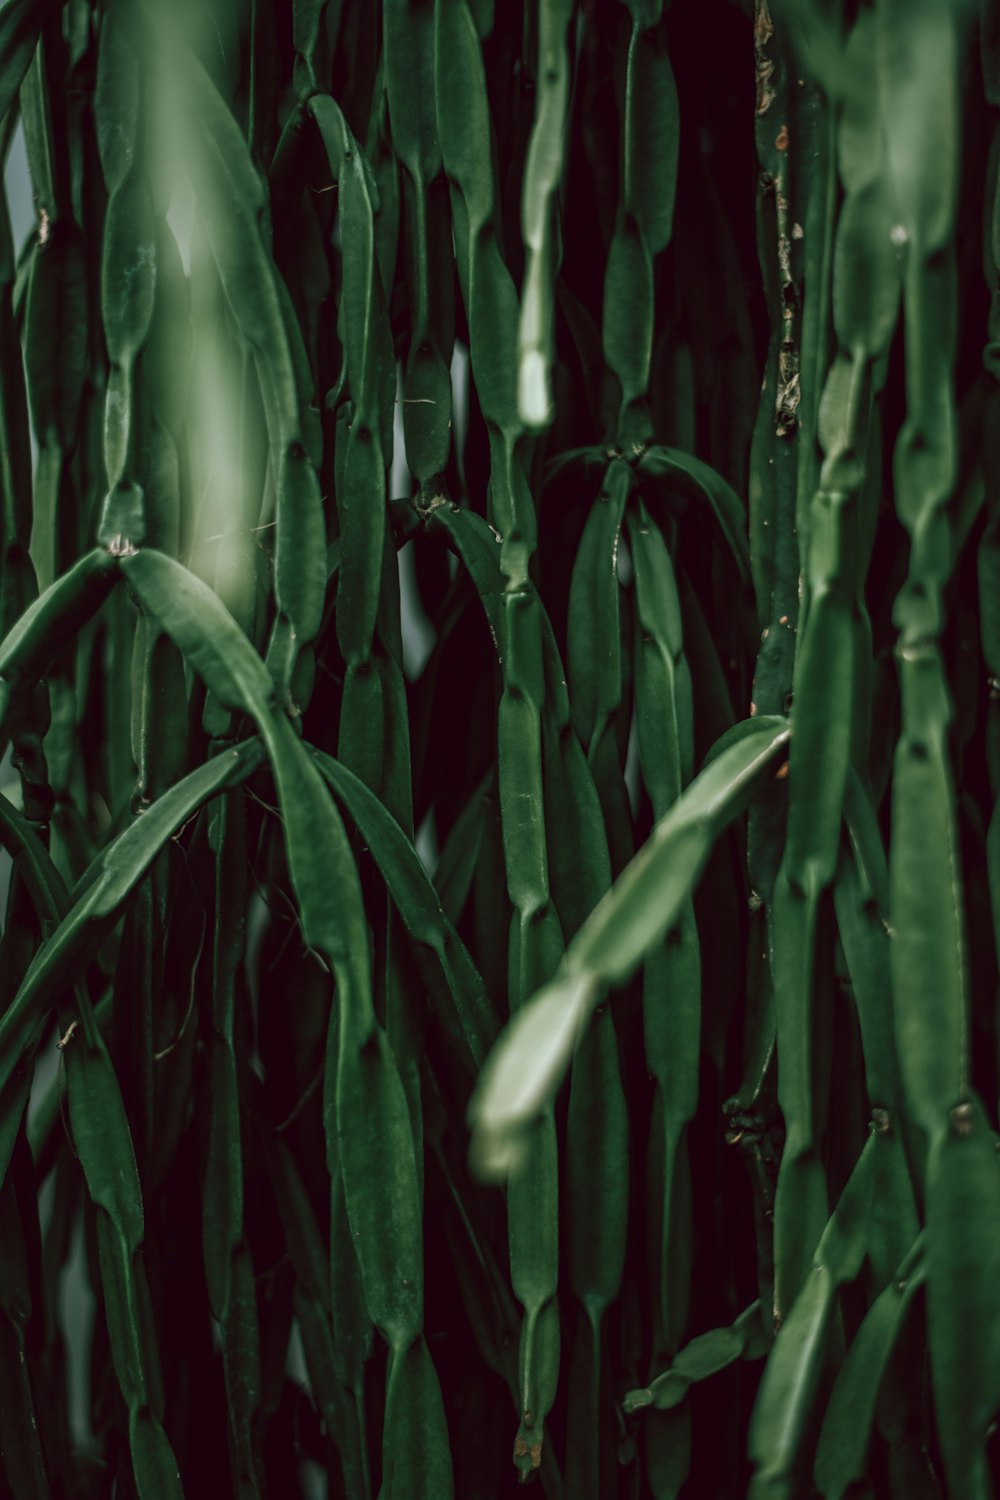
<point>533,400</point>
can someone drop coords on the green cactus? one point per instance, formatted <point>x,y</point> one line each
<point>375,1024</point>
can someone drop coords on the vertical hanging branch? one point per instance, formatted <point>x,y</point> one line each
<point>57,298</point>
<point>369,1130</point>
<point>783,201</point>
<point>921,123</point>
<point>597,1138</point>
<point>128,294</point>
<point>672,974</point>
<point>989,548</point>
<point>817,55</point>
<point>427,267</point>
<point>54,408</point>
<point>671,989</point>
<point>22,1462</point>
<point>56,317</point>
<point>782,198</point>
<point>18,585</point>
<point>415,223</point>
<point>491,308</point>
<point>229,1269</point>
<point>128,289</point>
<point>597,1152</point>
<point>535,937</point>
<point>650,126</point>
<point>929,974</point>
<point>597,654</point>
<point>865,312</point>
<point>374,729</point>
<point>364,447</point>
<point>542,173</point>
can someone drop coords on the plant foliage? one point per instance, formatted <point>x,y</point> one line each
<point>499,680</point>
